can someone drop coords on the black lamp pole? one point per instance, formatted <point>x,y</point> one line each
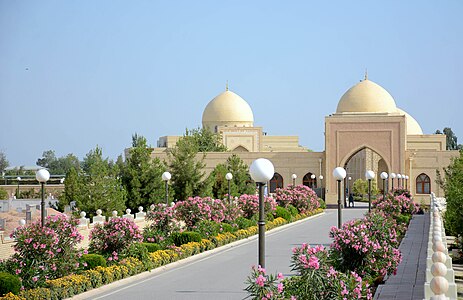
<point>261,224</point>
<point>42,205</point>
<point>369,195</point>
<point>339,205</point>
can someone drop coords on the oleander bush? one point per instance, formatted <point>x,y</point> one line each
<point>301,197</point>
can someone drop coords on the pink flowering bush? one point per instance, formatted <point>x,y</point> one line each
<point>396,205</point>
<point>113,238</point>
<point>193,210</point>
<point>249,204</point>
<point>162,223</point>
<point>48,252</point>
<point>262,286</point>
<point>368,246</point>
<point>299,196</point>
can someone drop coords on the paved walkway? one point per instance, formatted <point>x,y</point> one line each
<point>408,284</point>
<point>220,273</point>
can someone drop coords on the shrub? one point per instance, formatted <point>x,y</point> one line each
<point>282,212</point>
<point>9,283</point>
<point>180,238</point>
<point>93,261</point>
<point>46,252</point>
<point>225,227</point>
<point>134,265</point>
<point>3,194</point>
<point>152,247</point>
<point>113,237</point>
<point>244,223</point>
<point>292,210</point>
<point>162,225</point>
<point>300,196</point>
<point>207,228</point>
<point>193,210</point>
<point>140,252</point>
<point>11,296</point>
<point>249,204</point>
<point>396,205</point>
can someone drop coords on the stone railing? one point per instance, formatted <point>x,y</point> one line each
<point>84,227</point>
<point>440,277</point>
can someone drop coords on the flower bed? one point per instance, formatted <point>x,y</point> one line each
<point>362,254</point>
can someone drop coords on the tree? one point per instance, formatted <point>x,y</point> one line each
<point>451,138</point>
<point>72,188</point>
<point>206,140</point>
<point>101,188</point>
<point>187,170</point>
<point>360,187</point>
<point>141,175</point>
<point>241,178</point>
<point>4,163</point>
<point>453,187</point>
<point>58,166</point>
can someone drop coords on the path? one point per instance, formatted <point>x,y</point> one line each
<point>221,275</point>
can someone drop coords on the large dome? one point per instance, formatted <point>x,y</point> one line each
<point>227,109</point>
<point>413,127</point>
<point>366,97</point>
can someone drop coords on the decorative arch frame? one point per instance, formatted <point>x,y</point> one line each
<point>276,182</point>
<point>308,181</point>
<point>240,147</point>
<point>425,181</point>
<point>360,148</point>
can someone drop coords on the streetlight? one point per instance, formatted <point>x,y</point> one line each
<point>261,171</point>
<point>406,182</point>
<point>393,175</point>
<point>339,174</point>
<point>229,176</point>
<point>166,176</point>
<point>399,176</point>
<point>313,180</point>
<point>62,180</point>
<point>294,176</point>
<point>384,177</point>
<point>348,189</point>
<point>321,186</point>
<point>42,176</point>
<point>369,175</point>
<point>18,179</point>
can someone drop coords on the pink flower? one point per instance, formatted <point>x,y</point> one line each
<point>260,280</point>
<point>313,262</point>
<point>280,287</point>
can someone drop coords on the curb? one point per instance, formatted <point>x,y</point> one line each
<point>147,275</point>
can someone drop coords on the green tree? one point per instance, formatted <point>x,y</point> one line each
<point>453,187</point>
<point>4,163</point>
<point>101,187</point>
<point>451,138</point>
<point>241,178</point>
<point>206,140</point>
<point>360,187</point>
<point>72,188</point>
<point>141,175</point>
<point>58,166</point>
<point>186,168</point>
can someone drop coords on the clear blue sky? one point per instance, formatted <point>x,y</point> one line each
<point>76,74</point>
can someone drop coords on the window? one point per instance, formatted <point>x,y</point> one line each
<point>276,182</point>
<point>423,184</point>
<point>308,181</point>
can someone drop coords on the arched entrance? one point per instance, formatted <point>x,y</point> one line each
<point>276,182</point>
<point>308,181</point>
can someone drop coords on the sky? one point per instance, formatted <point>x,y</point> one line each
<point>79,74</point>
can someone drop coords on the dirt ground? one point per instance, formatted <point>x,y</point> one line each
<point>13,217</point>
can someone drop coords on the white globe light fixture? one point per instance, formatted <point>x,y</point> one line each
<point>18,179</point>
<point>166,176</point>
<point>339,174</point>
<point>229,177</point>
<point>384,177</point>
<point>261,170</point>
<point>294,176</point>
<point>313,176</point>
<point>369,175</point>
<point>42,176</point>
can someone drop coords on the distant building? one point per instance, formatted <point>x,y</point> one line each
<point>367,132</point>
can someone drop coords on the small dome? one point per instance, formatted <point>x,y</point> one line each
<point>366,97</point>
<point>227,109</point>
<point>413,127</point>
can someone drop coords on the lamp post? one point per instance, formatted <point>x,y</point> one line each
<point>399,177</point>
<point>62,180</point>
<point>313,180</point>
<point>42,176</point>
<point>393,175</point>
<point>261,171</point>
<point>294,176</point>
<point>406,182</point>
<point>348,189</point>
<point>384,176</point>
<point>166,176</point>
<point>321,186</point>
<point>369,175</point>
<point>18,179</point>
<point>339,174</point>
<point>229,177</point>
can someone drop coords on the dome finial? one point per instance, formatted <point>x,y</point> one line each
<point>366,74</point>
<point>226,86</point>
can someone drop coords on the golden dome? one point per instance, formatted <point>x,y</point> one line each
<point>413,127</point>
<point>227,109</point>
<point>366,97</point>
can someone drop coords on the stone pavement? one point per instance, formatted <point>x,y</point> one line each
<point>408,284</point>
